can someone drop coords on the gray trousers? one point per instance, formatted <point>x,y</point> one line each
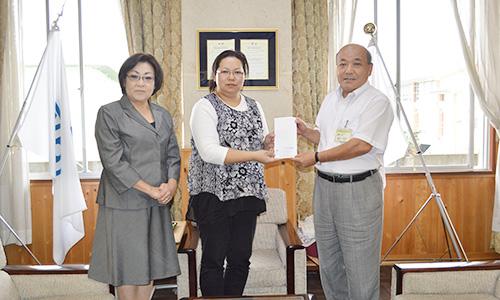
<point>348,228</point>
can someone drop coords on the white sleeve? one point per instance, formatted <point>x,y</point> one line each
<point>203,125</point>
<point>375,123</point>
<point>265,128</point>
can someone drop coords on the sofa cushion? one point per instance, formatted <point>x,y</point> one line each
<point>267,273</point>
<point>445,297</point>
<point>265,236</point>
<point>266,269</point>
<point>275,208</point>
<point>74,286</point>
<point>497,287</point>
<point>451,282</point>
<point>8,289</point>
<point>270,290</point>
<point>3,260</point>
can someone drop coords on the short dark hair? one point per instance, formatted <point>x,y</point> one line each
<point>368,57</point>
<point>132,61</point>
<point>227,53</point>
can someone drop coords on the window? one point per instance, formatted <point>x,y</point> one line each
<point>91,69</point>
<point>419,43</point>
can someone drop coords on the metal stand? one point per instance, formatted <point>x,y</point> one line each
<point>449,229</point>
<point>6,151</point>
<point>19,239</point>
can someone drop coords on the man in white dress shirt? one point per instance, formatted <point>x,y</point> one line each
<point>352,128</point>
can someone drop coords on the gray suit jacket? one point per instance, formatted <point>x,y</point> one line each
<point>132,149</point>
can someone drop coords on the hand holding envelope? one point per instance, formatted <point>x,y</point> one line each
<point>285,141</point>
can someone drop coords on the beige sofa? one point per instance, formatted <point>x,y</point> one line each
<point>48,282</point>
<point>449,280</point>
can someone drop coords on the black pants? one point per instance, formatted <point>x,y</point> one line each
<point>224,237</point>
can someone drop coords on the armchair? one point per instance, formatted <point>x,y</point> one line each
<point>278,262</point>
<point>446,280</point>
<point>48,282</point>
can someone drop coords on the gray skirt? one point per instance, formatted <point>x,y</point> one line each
<point>133,247</point>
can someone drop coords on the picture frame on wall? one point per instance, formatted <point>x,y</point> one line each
<point>258,45</point>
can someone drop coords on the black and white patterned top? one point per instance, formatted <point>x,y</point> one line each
<point>241,130</point>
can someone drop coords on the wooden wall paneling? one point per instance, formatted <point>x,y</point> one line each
<point>185,153</point>
<point>83,249</point>
<point>403,198</point>
<point>467,196</point>
<point>282,175</point>
<point>41,211</point>
<point>468,199</point>
<point>472,208</point>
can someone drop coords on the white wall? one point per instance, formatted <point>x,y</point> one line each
<point>220,14</point>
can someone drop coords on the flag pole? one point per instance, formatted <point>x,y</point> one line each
<point>28,100</point>
<point>7,150</point>
<point>19,239</point>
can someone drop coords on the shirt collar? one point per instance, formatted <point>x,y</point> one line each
<point>353,94</point>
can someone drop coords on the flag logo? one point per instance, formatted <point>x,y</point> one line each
<point>57,131</point>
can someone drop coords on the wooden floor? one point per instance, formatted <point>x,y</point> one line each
<point>313,286</point>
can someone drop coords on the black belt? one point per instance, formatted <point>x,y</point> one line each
<point>347,177</point>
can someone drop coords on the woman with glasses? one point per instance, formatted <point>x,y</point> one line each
<point>134,242</point>
<point>230,143</point>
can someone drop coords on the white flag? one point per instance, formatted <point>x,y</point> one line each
<point>50,90</point>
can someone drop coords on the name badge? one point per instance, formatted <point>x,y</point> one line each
<point>343,135</point>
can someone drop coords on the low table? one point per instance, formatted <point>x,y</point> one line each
<point>259,297</point>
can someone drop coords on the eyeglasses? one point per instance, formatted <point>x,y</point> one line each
<point>237,74</point>
<point>145,78</point>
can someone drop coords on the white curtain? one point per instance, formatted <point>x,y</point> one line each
<point>342,14</point>
<point>15,205</point>
<point>481,48</point>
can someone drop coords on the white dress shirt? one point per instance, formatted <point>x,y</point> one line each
<point>368,113</point>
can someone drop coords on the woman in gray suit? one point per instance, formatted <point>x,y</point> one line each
<point>134,242</point>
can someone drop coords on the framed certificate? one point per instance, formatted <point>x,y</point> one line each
<point>258,45</point>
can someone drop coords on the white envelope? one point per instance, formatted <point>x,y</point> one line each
<point>285,137</point>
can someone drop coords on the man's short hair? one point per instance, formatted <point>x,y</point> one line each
<point>367,53</point>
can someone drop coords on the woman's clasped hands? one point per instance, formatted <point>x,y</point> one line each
<point>164,193</point>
